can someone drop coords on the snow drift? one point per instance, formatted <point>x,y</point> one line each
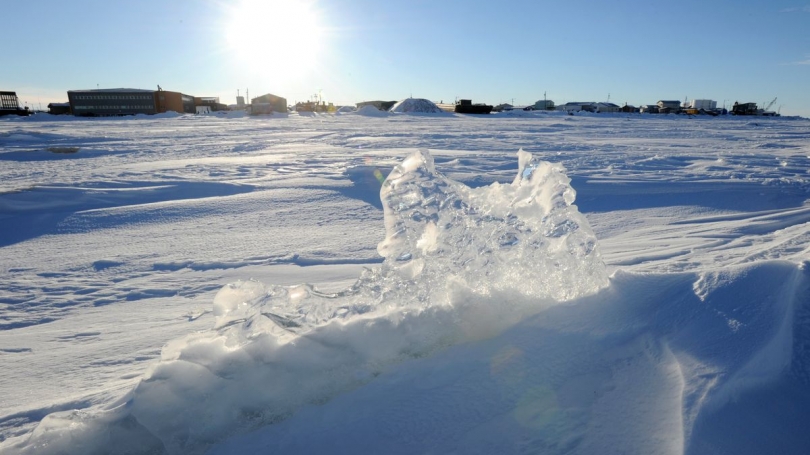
<point>655,364</point>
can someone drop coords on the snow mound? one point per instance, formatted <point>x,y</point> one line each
<point>461,264</point>
<point>345,110</point>
<point>370,111</point>
<point>416,105</point>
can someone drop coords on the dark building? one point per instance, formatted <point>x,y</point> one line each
<point>127,101</point>
<point>166,101</point>
<point>267,104</point>
<point>59,108</point>
<point>212,102</point>
<point>111,102</point>
<point>744,109</point>
<point>467,107</point>
<point>9,101</point>
<point>10,105</point>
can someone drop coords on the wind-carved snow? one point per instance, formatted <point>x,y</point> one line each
<point>461,264</point>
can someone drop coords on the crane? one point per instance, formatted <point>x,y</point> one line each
<point>768,106</point>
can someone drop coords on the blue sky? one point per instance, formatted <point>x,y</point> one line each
<point>575,50</point>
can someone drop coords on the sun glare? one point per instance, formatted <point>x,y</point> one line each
<point>275,36</point>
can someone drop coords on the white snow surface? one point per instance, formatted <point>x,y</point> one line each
<point>232,284</point>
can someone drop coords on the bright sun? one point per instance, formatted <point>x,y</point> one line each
<point>275,36</point>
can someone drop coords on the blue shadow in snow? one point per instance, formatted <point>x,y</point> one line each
<point>605,196</point>
<point>366,184</point>
<point>21,220</point>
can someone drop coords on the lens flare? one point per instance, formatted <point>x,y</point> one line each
<point>379,175</point>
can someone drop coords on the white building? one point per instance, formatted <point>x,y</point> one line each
<point>706,105</point>
<point>607,107</point>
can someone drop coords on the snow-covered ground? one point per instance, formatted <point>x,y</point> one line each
<point>150,273</point>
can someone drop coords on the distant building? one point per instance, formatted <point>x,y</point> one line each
<point>649,108</point>
<point>128,101</point>
<point>59,108</point>
<point>706,105</point>
<point>314,106</point>
<point>166,101</point>
<point>111,102</point>
<point>589,106</point>
<point>666,107</point>
<point>544,105</point>
<point>606,107</point>
<point>10,105</point>
<point>210,102</point>
<point>267,104</point>
<point>744,108</point>
<point>577,106</point>
<point>9,101</point>
<point>628,108</point>
<point>240,102</point>
<point>467,107</point>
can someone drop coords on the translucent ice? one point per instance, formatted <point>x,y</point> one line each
<point>527,236</point>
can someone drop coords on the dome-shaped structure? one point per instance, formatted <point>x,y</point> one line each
<point>418,105</point>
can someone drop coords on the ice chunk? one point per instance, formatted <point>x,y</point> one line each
<point>527,236</point>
